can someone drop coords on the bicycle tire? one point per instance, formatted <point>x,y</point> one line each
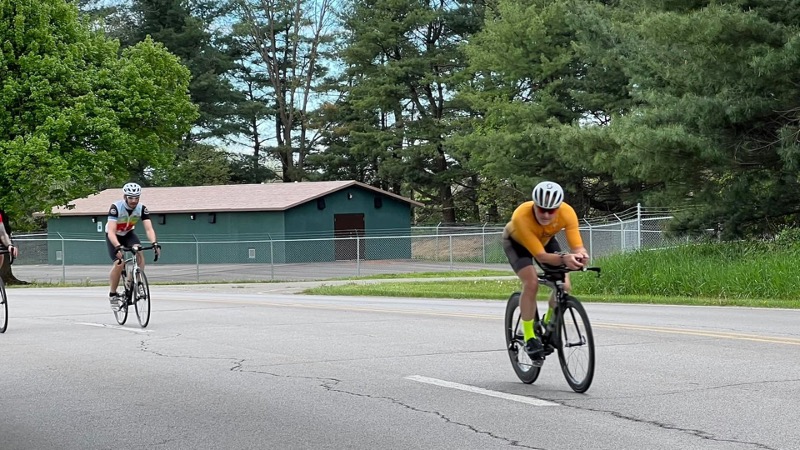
<point>576,345</point>
<point>141,298</point>
<point>3,308</point>
<point>515,343</point>
<point>122,313</point>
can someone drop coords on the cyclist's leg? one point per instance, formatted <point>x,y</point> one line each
<point>552,246</point>
<point>522,262</point>
<point>116,268</point>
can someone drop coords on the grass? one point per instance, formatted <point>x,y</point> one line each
<point>452,274</point>
<point>756,274</point>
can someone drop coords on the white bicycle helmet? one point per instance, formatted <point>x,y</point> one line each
<point>132,190</point>
<point>548,195</point>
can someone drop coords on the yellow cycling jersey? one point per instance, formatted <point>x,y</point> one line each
<point>524,228</point>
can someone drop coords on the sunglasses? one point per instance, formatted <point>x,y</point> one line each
<point>129,197</point>
<point>548,211</point>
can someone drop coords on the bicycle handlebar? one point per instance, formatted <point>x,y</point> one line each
<point>137,249</point>
<point>548,269</point>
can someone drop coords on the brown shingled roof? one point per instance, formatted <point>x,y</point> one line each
<point>233,197</point>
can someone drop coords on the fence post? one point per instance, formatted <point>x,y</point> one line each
<point>63,260</point>
<point>196,257</point>
<point>639,226</point>
<point>358,255</point>
<point>271,259</point>
<point>591,253</point>
<point>451,251</point>
<point>621,232</point>
<point>483,241</point>
<point>436,255</point>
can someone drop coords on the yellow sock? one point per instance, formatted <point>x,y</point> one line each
<point>527,330</point>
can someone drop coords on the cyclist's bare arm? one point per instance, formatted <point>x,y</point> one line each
<point>6,240</point>
<point>151,234</point>
<point>572,261</point>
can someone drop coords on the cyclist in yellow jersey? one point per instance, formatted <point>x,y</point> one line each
<point>529,237</point>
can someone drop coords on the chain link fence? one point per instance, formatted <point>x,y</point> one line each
<point>197,258</point>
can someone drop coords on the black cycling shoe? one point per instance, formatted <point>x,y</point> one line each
<point>534,349</point>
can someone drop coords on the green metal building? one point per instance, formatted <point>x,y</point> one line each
<point>250,223</point>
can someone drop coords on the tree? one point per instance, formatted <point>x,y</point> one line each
<point>717,120</point>
<point>186,29</point>
<point>76,114</point>
<point>404,62</point>
<point>290,43</point>
<point>194,165</point>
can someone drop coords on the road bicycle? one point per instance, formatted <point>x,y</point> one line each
<point>4,297</point>
<point>569,333</point>
<point>136,289</point>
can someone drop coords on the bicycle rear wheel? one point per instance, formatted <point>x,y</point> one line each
<point>141,299</point>
<point>576,346</point>
<point>3,308</point>
<point>515,343</point>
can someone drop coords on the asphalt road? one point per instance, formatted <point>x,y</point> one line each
<point>254,366</point>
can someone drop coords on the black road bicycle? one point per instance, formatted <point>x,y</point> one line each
<point>569,333</point>
<point>136,289</point>
<point>4,297</point>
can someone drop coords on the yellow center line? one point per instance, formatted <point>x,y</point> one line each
<point>606,325</point>
<point>713,334</point>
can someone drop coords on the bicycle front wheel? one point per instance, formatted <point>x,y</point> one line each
<point>141,299</point>
<point>121,314</point>
<point>576,346</point>
<point>515,343</point>
<point>3,308</point>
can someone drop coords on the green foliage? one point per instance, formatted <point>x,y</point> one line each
<point>76,116</point>
<point>195,165</point>
<point>185,29</point>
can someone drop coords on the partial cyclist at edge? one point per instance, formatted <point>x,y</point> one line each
<point>122,219</point>
<point>529,237</point>
<point>7,244</point>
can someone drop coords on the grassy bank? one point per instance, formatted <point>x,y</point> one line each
<point>763,274</point>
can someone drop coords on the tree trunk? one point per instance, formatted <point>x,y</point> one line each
<point>7,275</point>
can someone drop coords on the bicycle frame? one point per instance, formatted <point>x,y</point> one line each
<point>136,289</point>
<point>132,262</point>
<point>554,278</point>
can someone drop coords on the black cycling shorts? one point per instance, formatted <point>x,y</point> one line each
<point>519,257</point>
<point>127,240</point>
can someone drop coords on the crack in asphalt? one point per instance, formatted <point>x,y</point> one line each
<point>511,442</point>
<point>329,385</point>
<point>686,391</point>
<point>694,432</point>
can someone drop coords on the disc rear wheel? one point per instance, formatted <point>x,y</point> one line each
<point>515,343</point>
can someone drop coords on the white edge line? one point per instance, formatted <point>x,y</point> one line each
<point>476,390</point>
<point>114,327</point>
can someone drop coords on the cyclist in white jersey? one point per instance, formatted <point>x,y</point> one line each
<point>122,219</point>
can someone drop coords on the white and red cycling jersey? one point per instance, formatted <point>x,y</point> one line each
<point>125,217</point>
